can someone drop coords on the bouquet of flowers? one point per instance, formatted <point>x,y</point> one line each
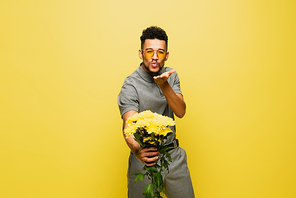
<point>150,130</point>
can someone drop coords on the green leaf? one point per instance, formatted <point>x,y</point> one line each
<point>168,156</point>
<point>162,190</point>
<point>152,136</point>
<point>150,168</point>
<point>149,190</point>
<point>168,148</point>
<point>139,176</point>
<point>159,180</point>
<point>138,139</point>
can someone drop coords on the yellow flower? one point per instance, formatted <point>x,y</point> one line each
<point>152,122</point>
<point>138,116</point>
<point>131,128</point>
<point>145,139</point>
<point>164,131</point>
<point>152,142</point>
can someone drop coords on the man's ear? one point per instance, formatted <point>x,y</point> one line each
<point>140,54</point>
<point>167,56</point>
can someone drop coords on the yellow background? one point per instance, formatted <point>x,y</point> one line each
<point>63,63</point>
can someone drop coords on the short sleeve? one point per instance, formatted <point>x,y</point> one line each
<point>176,84</point>
<point>128,98</point>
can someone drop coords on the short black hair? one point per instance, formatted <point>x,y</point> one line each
<point>153,32</point>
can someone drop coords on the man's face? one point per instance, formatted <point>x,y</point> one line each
<point>153,63</point>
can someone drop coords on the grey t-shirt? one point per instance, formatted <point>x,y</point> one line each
<point>140,92</point>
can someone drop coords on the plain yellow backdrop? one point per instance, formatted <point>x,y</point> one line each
<point>62,64</point>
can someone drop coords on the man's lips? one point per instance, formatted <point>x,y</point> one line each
<point>154,64</point>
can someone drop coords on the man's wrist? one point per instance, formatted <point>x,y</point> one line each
<point>164,85</point>
<point>135,148</point>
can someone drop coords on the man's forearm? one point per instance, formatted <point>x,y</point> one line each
<point>175,101</point>
<point>146,155</point>
<point>132,144</point>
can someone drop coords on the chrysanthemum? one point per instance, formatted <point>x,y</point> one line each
<point>151,122</point>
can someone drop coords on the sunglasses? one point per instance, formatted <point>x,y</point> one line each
<point>149,53</point>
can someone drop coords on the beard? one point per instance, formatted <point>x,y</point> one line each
<point>153,73</point>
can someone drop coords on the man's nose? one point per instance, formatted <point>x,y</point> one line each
<point>155,55</point>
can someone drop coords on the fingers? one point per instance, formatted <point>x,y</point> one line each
<point>172,71</point>
<point>149,149</point>
<point>148,156</point>
<point>165,74</point>
<point>158,77</point>
<point>162,78</point>
<point>149,161</point>
<point>149,152</point>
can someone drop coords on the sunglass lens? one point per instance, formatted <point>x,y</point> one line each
<point>161,54</point>
<point>149,53</point>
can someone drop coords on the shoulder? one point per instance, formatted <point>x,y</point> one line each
<point>132,78</point>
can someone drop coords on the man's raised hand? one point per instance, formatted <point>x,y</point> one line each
<point>163,77</point>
